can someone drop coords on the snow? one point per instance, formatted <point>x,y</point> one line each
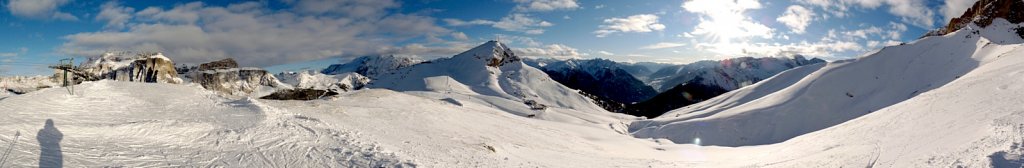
<point>112,123</point>
<point>10,85</point>
<point>492,73</point>
<point>315,80</point>
<point>461,112</point>
<point>945,101</point>
<point>729,74</point>
<point>373,66</point>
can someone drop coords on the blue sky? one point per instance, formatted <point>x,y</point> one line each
<point>311,33</point>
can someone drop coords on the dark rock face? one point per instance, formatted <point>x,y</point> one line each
<point>1020,32</point>
<point>220,64</point>
<point>680,95</point>
<point>299,94</point>
<point>613,84</point>
<point>603,81</point>
<point>984,11</point>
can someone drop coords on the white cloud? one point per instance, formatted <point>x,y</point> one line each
<point>954,8</point>
<point>915,12</point>
<point>818,49</point>
<point>724,20</point>
<point>39,9</point>
<point>460,36</point>
<point>606,53</point>
<point>896,30</point>
<point>526,46</point>
<point>516,22</point>
<point>662,45</point>
<point>428,52</point>
<point>522,23</point>
<point>518,40</point>
<point>635,23</point>
<point>796,18</point>
<point>20,51</point>
<point>255,37</point>
<point>345,8</point>
<point>115,15</point>
<point>863,33</point>
<point>554,50</point>
<point>545,5</point>
<point>457,22</point>
<point>599,6</point>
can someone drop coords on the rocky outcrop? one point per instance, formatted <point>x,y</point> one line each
<point>314,80</point>
<point>299,94</point>
<point>220,64</point>
<point>143,67</point>
<point>983,12</point>
<point>225,76</point>
<point>372,66</point>
<point>493,53</point>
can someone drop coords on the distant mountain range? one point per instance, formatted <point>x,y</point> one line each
<point>633,88</point>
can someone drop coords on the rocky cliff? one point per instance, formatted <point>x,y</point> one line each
<point>983,12</point>
<point>225,76</point>
<point>142,67</point>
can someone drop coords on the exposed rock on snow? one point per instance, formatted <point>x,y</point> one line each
<point>25,84</point>
<point>492,72</point>
<point>299,94</point>
<point>227,63</point>
<point>983,12</point>
<point>225,77</point>
<point>142,67</point>
<point>372,66</point>
<point>343,82</point>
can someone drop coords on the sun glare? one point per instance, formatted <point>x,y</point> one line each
<point>723,22</point>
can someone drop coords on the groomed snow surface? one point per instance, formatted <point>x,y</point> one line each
<point>950,101</point>
<point>110,123</point>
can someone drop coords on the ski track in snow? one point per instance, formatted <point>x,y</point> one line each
<point>170,126</point>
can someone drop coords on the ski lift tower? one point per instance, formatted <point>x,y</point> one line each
<point>66,66</point>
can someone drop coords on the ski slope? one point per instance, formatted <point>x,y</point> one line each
<point>125,124</point>
<point>944,101</point>
<point>463,112</point>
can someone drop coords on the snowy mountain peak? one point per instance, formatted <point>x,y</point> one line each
<point>372,66</point>
<point>491,53</point>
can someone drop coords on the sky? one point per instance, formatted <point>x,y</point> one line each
<point>313,33</point>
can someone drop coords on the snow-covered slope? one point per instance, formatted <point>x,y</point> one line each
<point>124,124</point>
<point>729,74</point>
<point>314,80</point>
<point>24,84</point>
<point>372,66</point>
<point>842,91</point>
<point>493,72</point>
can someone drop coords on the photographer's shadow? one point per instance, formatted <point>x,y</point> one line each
<point>49,146</point>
